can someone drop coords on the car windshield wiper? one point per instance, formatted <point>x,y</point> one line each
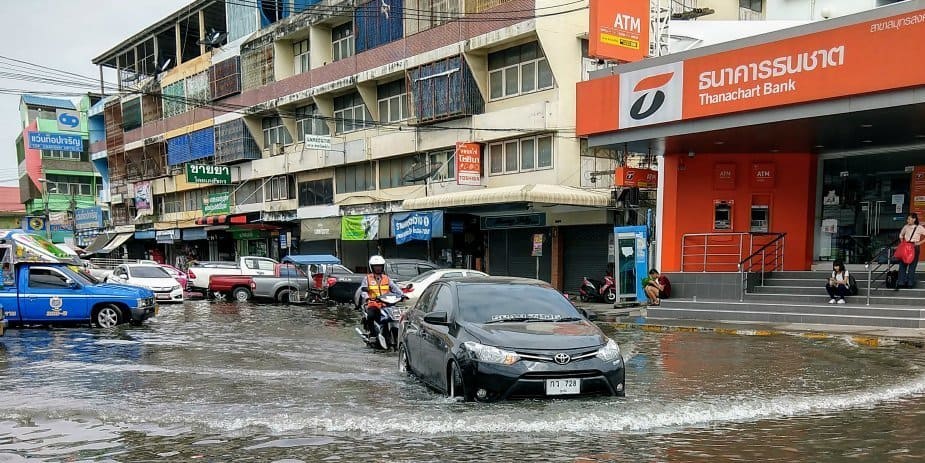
<point>568,319</point>
<point>506,320</point>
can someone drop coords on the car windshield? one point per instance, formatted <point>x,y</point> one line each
<point>422,277</point>
<point>149,272</point>
<point>498,303</point>
<point>171,271</point>
<point>83,276</point>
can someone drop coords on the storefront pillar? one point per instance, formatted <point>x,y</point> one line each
<point>557,273</point>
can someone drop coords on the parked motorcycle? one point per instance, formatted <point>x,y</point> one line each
<point>384,330</point>
<point>597,291</point>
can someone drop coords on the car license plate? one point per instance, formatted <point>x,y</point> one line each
<point>563,386</point>
<point>163,296</point>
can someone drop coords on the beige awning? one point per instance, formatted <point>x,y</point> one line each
<point>542,194</point>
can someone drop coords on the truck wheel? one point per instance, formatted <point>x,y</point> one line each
<point>241,294</point>
<point>108,316</point>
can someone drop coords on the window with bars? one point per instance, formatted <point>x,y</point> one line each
<point>430,14</point>
<point>354,178</point>
<point>69,185</point>
<point>316,192</point>
<point>225,77</point>
<point>393,101</point>
<point>131,114</point>
<point>518,70</point>
<point>309,121</point>
<point>197,89</point>
<point>275,132</point>
<point>342,41</point>
<point>249,192</point>
<point>300,56</point>
<point>447,163</point>
<point>174,96</point>
<point>257,67</point>
<point>521,155</point>
<point>59,154</point>
<point>350,113</point>
<point>392,170</point>
<point>277,188</point>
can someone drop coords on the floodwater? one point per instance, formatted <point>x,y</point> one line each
<point>245,382</point>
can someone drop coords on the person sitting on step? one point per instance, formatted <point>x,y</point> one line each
<point>838,285</point>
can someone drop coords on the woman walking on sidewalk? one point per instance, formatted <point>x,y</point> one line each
<point>915,234</point>
<point>838,285</point>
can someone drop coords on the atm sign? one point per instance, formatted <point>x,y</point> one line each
<point>763,174</point>
<point>633,177</point>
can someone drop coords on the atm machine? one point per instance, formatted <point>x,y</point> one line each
<point>631,246</point>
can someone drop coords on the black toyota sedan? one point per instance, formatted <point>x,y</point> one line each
<point>499,338</point>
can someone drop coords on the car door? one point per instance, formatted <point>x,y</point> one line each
<point>50,294</point>
<point>412,329</point>
<point>434,338</point>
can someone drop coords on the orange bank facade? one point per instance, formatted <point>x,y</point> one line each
<point>816,132</point>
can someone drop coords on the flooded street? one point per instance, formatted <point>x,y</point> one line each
<point>242,382</point>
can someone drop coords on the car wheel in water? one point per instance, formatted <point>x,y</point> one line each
<point>283,296</point>
<point>456,388</point>
<point>108,317</point>
<point>241,294</point>
<point>404,365</point>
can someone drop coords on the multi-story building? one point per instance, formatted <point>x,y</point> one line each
<point>55,173</point>
<point>786,10</point>
<point>11,209</point>
<point>319,126</point>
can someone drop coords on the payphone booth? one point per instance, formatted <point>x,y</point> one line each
<point>631,246</point>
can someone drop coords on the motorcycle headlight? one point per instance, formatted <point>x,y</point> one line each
<point>609,352</point>
<point>489,354</point>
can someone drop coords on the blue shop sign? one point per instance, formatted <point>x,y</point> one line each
<point>90,217</point>
<point>417,226</point>
<point>144,235</point>
<point>192,234</point>
<point>56,141</point>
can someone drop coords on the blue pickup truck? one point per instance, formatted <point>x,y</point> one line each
<point>42,284</point>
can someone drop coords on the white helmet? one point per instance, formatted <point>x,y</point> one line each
<point>376,260</point>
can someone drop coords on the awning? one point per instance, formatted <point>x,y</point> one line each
<point>119,240</point>
<point>544,194</point>
<point>238,219</point>
<point>312,259</point>
<point>101,240</point>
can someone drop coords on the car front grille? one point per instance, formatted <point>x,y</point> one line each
<point>561,374</point>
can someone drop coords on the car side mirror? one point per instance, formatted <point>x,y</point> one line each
<point>123,277</point>
<point>72,284</point>
<point>436,318</point>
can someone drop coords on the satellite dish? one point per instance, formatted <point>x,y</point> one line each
<point>420,171</point>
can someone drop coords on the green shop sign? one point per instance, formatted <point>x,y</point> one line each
<point>205,173</point>
<point>216,204</point>
<point>246,234</point>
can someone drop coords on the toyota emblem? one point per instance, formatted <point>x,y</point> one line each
<point>561,358</point>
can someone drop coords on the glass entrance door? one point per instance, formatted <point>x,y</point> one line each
<point>864,203</point>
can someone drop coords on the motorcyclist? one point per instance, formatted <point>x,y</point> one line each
<point>376,284</point>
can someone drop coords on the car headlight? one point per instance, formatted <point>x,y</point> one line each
<point>176,287</point>
<point>609,352</point>
<point>489,354</point>
<point>141,302</point>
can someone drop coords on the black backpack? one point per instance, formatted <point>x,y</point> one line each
<point>890,279</point>
<point>852,285</point>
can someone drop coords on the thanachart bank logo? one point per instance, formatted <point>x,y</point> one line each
<point>651,95</point>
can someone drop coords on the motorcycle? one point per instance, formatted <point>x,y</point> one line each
<point>384,330</point>
<point>593,290</point>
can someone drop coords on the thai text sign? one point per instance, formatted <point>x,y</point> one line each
<point>206,173</point>
<point>619,30</point>
<point>216,204</point>
<point>90,217</point>
<point>416,226</point>
<point>317,142</point>
<point>56,141</point>
<point>468,164</point>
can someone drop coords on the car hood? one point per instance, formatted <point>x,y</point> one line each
<point>112,289</point>
<point>166,282</point>
<point>538,335</point>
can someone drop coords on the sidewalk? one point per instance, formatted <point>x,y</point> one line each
<point>635,318</point>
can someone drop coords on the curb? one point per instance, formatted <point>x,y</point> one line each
<point>867,341</point>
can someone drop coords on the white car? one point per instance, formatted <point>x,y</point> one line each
<point>415,287</point>
<point>153,277</point>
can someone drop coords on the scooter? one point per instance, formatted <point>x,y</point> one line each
<point>593,290</point>
<point>384,330</point>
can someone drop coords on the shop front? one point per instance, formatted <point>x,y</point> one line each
<point>785,137</point>
<point>319,236</point>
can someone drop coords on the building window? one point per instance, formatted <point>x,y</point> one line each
<point>350,113</point>
<point>521,155</point>
<point>358,177</point>
<point>300,56</point>
<point>518,70</point>
<point>69,185</point>
<point>58,154</point>
<point>431,13</point>
<point>277,188</point>
<point>754,5</point>
<point>249,193</point>
<point>447,162</point>
<point>342,41</point>
<point>393,101</point>
<point>275,132</point>
<point>310,122</point>
<point>393,172</point>
<point>316,192</point>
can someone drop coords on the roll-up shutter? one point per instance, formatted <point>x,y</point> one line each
<point>584,250</point>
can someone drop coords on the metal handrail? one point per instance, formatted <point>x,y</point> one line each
<point>735,245</point>
<point>778,261</point>
<point>874,260</point>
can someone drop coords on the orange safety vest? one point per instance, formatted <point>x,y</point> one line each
<point>379,288</point>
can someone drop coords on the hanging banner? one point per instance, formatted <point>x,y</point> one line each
<point>216,204</point>
<point>206,173</point>
<point>90,217</point>
<point>360,228</point>
<point>619,30</point>
<point>143,198</point>
<point>468,164</point>
<point>416,226</point>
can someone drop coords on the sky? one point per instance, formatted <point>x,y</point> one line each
<point>66,35</point>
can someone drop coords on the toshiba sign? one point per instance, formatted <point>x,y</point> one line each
<point>619,30</point>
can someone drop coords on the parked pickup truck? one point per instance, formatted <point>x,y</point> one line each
<point>285,279</point>
<point>43,285</point>
<point>199,272</point>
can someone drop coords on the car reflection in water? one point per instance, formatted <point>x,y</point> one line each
<point>501,338</point>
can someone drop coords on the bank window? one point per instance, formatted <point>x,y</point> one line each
<point>350,113</point>
<point>310,122</point>
<point>60,154</point>
<point>447,163</point>
<point>518,70</point>
<point>300,56</point>
<point>521,155</point>
<point>342,41</point>
<point>277,188</point>
<point>358,177</point>
<point>316,192</point>
<point>393,101</point>
<point>275,132</point>
<point>754,5</point>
